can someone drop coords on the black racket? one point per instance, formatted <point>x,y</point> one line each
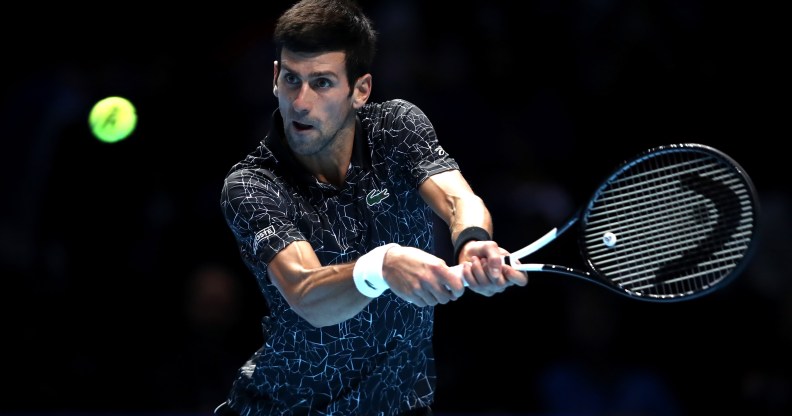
<point>674,223</point>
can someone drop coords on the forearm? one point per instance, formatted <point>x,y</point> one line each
<point>453,200</point>
<point>328,296</point>
<point>468,211</point>
<point>471,228</point>
<point>322,295</point>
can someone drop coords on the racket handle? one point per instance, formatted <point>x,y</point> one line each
<point>457,270</point>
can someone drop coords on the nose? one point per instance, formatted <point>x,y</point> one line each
<point>304,99</point>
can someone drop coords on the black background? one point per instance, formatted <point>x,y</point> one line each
<point>538,101</point>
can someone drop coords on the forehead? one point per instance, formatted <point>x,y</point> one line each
<point>307,64</point>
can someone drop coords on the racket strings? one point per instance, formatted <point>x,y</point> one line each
<point>682,221</point>
<point>651,232</point>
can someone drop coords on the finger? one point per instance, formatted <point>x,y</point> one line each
<point>419,298</point>
<point>477,269</point>
<point>441,293</point>
<point>421,302</point>
<point>456,284</point>
<point>516,277</point>
<point>495,267</point>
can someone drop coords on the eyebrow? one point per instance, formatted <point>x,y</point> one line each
<point>316,74</point>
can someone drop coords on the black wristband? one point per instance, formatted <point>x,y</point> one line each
<point>468,234</point>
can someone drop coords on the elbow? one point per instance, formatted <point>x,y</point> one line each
<point>317,321</point>
<point>315,316</point>
<point>308,314</point>
<point>321,305</point>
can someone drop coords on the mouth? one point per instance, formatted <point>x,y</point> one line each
<point>301,126</point>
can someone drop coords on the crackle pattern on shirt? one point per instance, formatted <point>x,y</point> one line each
<point>379,362</point>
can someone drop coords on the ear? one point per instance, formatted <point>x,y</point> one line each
<point>361,91</point>
<point>275,78</point>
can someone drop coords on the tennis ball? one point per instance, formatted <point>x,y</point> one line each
<point>112,119</point>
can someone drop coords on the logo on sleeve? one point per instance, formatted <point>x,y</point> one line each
<point>376,196</point>
<point>261,235</point>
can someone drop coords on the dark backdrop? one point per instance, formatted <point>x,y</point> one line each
<point>123,291</point>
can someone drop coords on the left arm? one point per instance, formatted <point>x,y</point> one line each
<point>452,199</point>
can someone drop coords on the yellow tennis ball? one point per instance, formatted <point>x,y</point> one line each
<point>112,119</point>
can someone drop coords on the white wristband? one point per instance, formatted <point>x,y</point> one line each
<point>367,273</point>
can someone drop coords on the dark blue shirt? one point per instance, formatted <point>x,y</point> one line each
<point>379,362</point>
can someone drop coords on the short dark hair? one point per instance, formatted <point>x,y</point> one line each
<point>327,26</point>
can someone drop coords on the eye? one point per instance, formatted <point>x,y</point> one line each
<point>323,83</point>
<point>291,79</point>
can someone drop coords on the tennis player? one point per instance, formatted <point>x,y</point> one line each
<point>333,215</point>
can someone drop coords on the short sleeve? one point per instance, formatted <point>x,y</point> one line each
<point>259,214</point>
<point>415,142</point>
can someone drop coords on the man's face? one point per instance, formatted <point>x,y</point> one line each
<point>314,100</point>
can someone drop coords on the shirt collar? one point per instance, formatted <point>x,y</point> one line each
<point>276,142</point>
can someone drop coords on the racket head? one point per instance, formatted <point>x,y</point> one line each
<point>676,222</point>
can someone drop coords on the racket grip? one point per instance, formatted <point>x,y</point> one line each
<point>457,270</point>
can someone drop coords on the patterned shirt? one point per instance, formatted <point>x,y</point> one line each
<point>379,362</point>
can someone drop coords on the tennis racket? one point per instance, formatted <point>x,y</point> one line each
<point>676,222</point>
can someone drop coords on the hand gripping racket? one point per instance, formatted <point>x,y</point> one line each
<point>674,223</point>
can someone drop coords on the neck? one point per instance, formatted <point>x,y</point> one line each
<point>331,165</point>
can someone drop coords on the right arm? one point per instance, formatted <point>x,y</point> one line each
<point>322,295</point>
<point>327,295</point>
